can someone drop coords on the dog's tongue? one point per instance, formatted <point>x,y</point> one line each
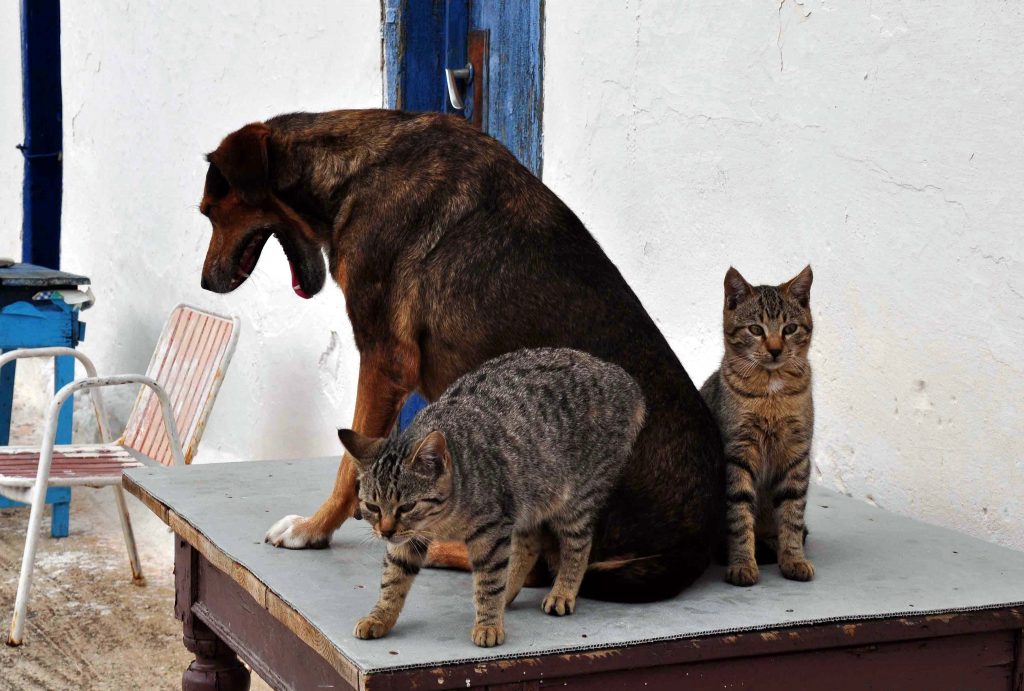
<point>296,285</point>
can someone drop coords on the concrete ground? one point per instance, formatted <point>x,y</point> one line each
<point>88,626</point>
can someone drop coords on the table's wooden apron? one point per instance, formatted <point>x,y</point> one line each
<point>976,650</point>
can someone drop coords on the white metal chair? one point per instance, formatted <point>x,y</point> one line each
<point>164,427</point>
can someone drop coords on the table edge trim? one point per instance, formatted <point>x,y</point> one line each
<point>265,597</point>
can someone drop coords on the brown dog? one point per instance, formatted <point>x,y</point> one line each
<point>449,253</point>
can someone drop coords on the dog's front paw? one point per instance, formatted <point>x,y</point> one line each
<point>797,570</point>
<point>370,627</point>
<point>558,605</point>
<point>293,532</point>
<point>488,636</point>
<point>743,574</point>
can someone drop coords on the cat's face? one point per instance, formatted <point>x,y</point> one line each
<point>768,327</point>
<point>404,485</point>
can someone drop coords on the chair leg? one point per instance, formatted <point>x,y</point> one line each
<point>35,518</point>
<point>129,537</point>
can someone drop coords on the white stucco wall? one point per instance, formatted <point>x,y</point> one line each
<point>878,141</point>
<point>149,88</point>
<point>11,130</point>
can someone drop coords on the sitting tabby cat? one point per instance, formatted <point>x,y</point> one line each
<point>761,397</point>
<point>531,441</point>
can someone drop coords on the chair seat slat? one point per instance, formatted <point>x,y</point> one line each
<point>69,462</point>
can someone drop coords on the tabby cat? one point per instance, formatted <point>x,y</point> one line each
<point>528,445</point>
<point>761,397</point>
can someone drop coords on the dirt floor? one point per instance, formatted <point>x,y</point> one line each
<point>88,626</point>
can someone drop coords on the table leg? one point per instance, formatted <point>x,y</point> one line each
<point>216,667</point>
<point>63,373</point>
<point>6,400</point>
<point>60,511</point>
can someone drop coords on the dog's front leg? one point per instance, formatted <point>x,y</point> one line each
<point>386,376</point>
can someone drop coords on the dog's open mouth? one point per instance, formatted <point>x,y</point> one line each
<point>297,278</point>
<point>250,256</point>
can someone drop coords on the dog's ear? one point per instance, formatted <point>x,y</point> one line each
<point>242,159</point>
<point>363,449</point>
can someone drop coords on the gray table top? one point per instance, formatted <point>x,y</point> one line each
<point>870,564</point>
<point>30,275</point>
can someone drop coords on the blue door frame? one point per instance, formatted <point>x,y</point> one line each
<point>423,37</point>
<point>42,189</point>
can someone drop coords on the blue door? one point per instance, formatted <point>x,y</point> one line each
<point>479,59</point>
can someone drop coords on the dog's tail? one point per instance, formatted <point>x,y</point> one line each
<point>646,578</point>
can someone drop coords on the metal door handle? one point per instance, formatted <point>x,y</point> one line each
<point>454,94</point>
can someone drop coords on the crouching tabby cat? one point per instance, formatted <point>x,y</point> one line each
<point>530,442</point>
<point>761,398</point>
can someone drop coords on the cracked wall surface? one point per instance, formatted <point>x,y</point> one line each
<point>878,141</point>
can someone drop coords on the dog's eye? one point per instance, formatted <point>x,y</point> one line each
<point>756,330</point>
<point>372,508</point>
<point>789,329</point>
<point>406,508</point>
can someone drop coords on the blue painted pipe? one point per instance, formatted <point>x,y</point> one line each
<point>42,189</point>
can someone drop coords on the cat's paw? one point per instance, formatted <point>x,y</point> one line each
<point>488,636</point>
<point>798,570</point>
<point>370,627</point>
<point>743,574</point>
<point>294,532</point>
<point>558,606</point>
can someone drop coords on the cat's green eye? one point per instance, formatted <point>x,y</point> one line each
<point>756,330</point>
<point>789,329</point>
<point>406,508</point>
<point>372,508</point>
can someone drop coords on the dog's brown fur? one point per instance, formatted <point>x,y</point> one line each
<point>449,253</point>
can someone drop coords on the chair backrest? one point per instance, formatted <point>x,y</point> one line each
<point>189,363</point>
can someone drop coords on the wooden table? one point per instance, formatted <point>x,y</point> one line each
<point>896,604</point>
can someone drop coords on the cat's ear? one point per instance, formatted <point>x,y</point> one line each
<point>799,287</point>
<point>363,450</point>
<point>431,458</point>
<point>736,288</point>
